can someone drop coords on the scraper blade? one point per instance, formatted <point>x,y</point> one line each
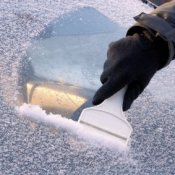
<point>108,119</point>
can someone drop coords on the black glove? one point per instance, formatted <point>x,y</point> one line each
<point>131,61</point>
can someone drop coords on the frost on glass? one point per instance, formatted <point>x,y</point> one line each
<point>30,147</point>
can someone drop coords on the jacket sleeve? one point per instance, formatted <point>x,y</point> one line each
<point>161,22</point>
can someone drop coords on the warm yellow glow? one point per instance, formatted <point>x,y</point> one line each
<point>50,97</point>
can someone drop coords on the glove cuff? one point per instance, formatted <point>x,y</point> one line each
<point>151,35</point>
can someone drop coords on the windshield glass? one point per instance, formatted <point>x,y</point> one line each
<point>73,48</point>
<point>33,142</point>
<point>70,54</point>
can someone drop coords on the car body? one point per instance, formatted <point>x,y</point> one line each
<point>155,3</point>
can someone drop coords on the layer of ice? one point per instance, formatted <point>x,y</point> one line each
<point>27,147</point>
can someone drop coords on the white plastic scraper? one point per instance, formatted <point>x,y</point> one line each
<point>108,119</point>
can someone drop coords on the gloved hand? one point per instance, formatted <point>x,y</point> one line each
<point>131,61</point>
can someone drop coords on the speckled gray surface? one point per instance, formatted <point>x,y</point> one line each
<point>30,148</point>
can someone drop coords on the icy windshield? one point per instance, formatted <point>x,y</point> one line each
<point>32,142</point>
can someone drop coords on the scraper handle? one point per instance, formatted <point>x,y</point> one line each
<point>114,104</point>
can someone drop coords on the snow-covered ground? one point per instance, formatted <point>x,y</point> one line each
<point>28,147</point>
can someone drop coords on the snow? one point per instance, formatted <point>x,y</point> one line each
<point>38,115</point>
<point>30,147</point>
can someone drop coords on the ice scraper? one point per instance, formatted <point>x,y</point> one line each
<point>108,119</point>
